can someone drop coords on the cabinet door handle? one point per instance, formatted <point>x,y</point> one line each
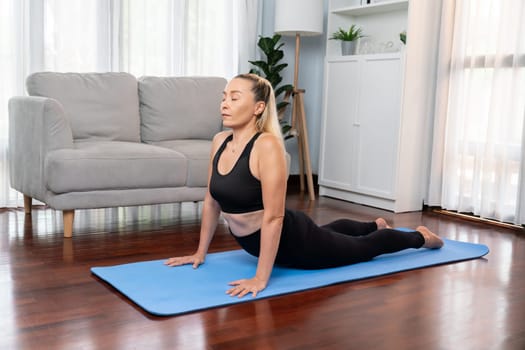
<point>356,124</point>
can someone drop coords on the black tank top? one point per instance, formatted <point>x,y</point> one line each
<point>237,191</point>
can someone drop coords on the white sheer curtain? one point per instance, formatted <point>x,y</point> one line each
<point>13,65</point>
<point>194,37</point>
<point>478,136</point>
<point>161,37</point>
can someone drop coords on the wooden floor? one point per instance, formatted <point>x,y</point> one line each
<point>49,299</point>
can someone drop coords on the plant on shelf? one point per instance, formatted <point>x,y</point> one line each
<point>348,38</point>
<point>271,70</point>
<point>353,33</point>
<point>403,37</point>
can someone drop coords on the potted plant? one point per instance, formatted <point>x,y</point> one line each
<point>403,37</point>
<point>348,38</point>
<point>271,70</point>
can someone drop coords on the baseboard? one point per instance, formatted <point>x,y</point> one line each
<point>477,219</point>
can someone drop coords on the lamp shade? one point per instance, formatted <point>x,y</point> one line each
<point>304,17</point>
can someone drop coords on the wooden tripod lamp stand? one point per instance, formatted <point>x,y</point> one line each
<point>300,18</point>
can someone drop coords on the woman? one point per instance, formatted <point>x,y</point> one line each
<point>247,182</point>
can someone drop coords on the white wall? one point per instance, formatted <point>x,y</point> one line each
<point>311,68</point>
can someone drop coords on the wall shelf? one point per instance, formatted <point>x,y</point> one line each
<point>364,10</point>
<point>339,58</point>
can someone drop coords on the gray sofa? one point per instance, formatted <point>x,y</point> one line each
<point>98,140</point>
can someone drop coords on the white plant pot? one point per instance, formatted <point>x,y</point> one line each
<point>348,47</point>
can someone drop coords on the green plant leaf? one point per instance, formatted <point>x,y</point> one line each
<point>353,33</point>
<point>287,127</point>
<point>282,104</point>
<point>280,67</point>
<point>260,64</point>
<point>284,88</point>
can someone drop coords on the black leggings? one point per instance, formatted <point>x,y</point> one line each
<point>306,245</point>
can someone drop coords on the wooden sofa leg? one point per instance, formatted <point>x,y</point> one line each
<point>28,201</point>
<point>68,216</point>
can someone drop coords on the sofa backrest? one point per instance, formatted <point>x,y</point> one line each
<point>101,106</point>
<point>174,108</point>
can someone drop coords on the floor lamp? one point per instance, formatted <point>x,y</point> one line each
<point>300,18</point>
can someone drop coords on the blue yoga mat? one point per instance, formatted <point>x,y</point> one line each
<point>165,291</point>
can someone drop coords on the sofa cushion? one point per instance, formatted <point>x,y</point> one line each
<point>180,108</point>
<point>197,153</point>
<point>112,165</point>
<point>100,106</point>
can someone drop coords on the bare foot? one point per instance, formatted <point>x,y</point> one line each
<point>432,240</point>
<point>381,224</point>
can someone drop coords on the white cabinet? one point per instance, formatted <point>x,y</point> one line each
<point>377,125</point>
<point>365,133</point>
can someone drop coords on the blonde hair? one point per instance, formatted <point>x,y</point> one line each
<point>268,120</point>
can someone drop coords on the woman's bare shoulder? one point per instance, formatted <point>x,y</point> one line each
<point>219,138</point>
<point>271,158</point>
<point>268,142</point>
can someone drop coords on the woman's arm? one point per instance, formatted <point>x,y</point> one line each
<point>271,169</point>
<point>210,217</point>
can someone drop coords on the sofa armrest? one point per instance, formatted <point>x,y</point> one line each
<point>37,125</point>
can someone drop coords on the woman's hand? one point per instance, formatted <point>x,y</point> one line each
<point>195,260</point>
<point>245,286</point>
